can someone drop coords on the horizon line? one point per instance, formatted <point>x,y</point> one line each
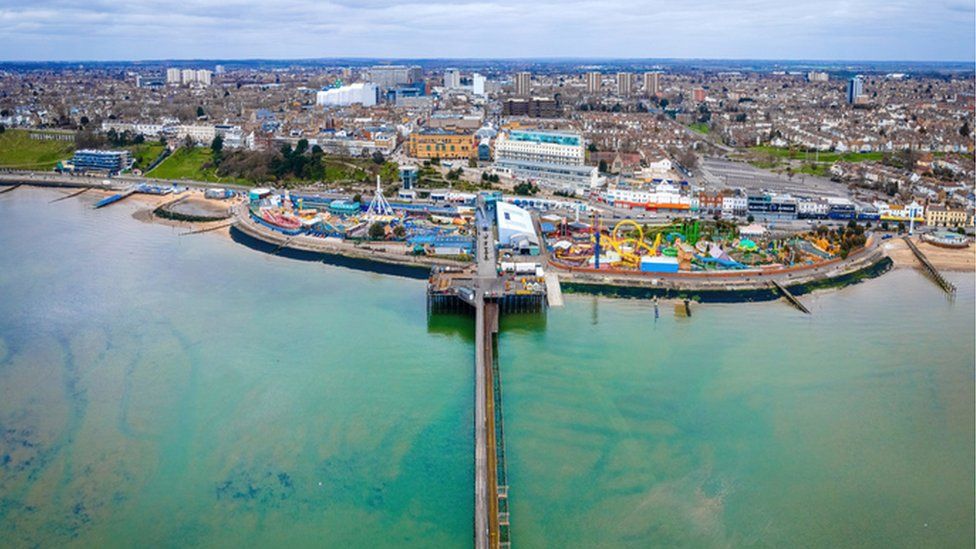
<point>540,58</point>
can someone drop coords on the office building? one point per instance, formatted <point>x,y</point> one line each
<point>536,107</point>
<point>625,84</point>
<point>444,144</point>
<point>452,79</point>
<point>363,93</point>
<point>523,83</point>
<point>652,84</point>
<point>814,76</point>
<point>478,84</point>
<point>172,76</point>
<point>594,82</point>
<point>391,76</point>
<point>855,89</point>
<point>111,162</point>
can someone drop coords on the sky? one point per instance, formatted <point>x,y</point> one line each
<point>63,30</point>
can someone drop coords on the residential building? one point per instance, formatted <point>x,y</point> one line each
<point>855,89</point>
<point>478,84</point>
<point>652,84</point>
<point>552,159</point>
<point>203,77</point>
<point>435,143</point>
<point>814,76</point>
<point>625,84</point>
<point>698,95</point>
<point>111,162</point>
<point>201,134</point>
<point>523,83</point>
<point>536,107</point>
<point>540,146</point>
<point>594,82</point>
<point>172,76</point>
<point>938,215</point>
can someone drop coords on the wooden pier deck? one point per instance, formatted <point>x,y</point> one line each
<point>946,286</point>
<point>790,297</point>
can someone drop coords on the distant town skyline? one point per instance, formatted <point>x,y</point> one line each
<point>840,30</point>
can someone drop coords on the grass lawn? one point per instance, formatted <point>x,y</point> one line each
<point>144,154</point>
<point>340,170</point>
<point>823,156</point>
<point>188,164</point>
<point>700,127</point>
<point>18,150</point>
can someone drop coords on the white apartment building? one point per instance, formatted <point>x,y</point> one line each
<point>538,146</point>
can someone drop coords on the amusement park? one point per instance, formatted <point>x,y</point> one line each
<point>685,246</point>
<point>425,230</point>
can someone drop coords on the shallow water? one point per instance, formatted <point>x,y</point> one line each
<point>180,390</point>
<point>171,390</point>
<point>746,424</point>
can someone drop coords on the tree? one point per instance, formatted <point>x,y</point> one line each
<point>85,121</point>
<point>378,158</point>
<point>526,189</point>
<point>750,218</point>
<point>964,129</point>
<point>884,225</point>
<point>377,231</point>
<point>358,198</point>
<point>603,166</point>
<point>472,162</point>
<point>2,128</point>
<point>592,147</point>
<point>200,112</point>
<point>399,231</point>
<point>217,149</point>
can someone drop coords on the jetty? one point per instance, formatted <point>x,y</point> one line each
<point>8,189</point>
<point>790,297</point>
<point>946,286</point>
<point>488,291</point>
<point>113,199</point>
<point>72,195</point>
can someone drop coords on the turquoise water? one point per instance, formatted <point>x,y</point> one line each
<point>746,424</point>
<point>187,390</point>
<point>171,390</point>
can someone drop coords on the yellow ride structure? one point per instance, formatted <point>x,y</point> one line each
<point>629,246</point>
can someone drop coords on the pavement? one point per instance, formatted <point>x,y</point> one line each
<point>719,173</point>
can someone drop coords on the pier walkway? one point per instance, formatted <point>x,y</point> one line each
<point>946,286</point>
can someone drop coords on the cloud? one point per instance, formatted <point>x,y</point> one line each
<point>768,29</point>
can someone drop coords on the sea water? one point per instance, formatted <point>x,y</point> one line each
<point>168,390</point>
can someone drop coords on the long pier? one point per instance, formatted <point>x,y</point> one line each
<point>946,286</point>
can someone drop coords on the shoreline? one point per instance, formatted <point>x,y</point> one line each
<point>872,261</point>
